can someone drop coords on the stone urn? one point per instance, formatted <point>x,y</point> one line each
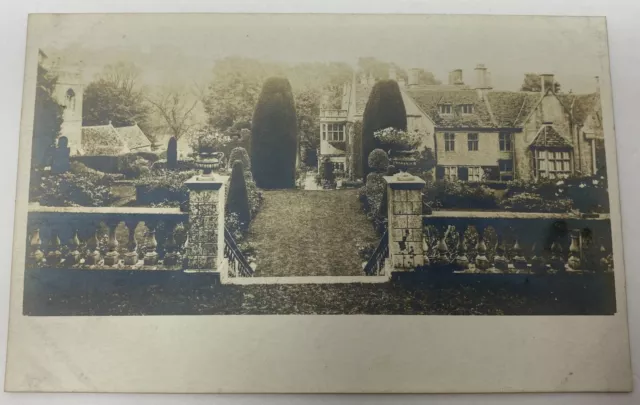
<point>208,159</point>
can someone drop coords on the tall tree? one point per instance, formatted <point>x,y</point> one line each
<point>532,82</point>
<point>117,96</point>
<point>175,107</point>
<point>47,119</point>
<point>384,109</point>
<point>274,136</point>
<point>308,113</point>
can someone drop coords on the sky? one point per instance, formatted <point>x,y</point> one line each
<point>186,45</point>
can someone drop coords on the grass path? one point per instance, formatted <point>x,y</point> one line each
<point>310,233</point>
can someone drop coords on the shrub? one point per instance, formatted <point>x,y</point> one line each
<point>391,170</point>
<point>372,198</point>
<point>378,161</point>
<point>253,193</point>
<point>172,153</point>
<point>527,202</point>
<point>240,153</point>
<point>73,189</point>
<point>384,109</point>
<point>237,197</point>
<point>274,136</point>
<point>134,167</point>
<point>459,195</point>
<point>166,187</point>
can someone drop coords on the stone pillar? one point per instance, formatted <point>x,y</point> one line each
<point>206,223</point>
<point>404,205</point>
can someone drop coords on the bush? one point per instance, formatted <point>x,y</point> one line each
<point>134,167</point>
<point>459,195</point>
<point>166,187</point>
<point>384,109</point>
<point>73,189</point>
<point>527,202</point>
<point>237,197</point>
<point>274,136</point>
<point>172,153</point>
<point>378,161</point>
<point>372,198</point>
<point>241,154</point>
<point>253,194</point>
<point>391,170</point>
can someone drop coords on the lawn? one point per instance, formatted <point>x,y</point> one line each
<point>58,292</point>
<point>310,233</point>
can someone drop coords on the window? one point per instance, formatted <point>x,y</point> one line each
<point>505,165</point>
<point>71,99</point>
<point>472,141</point>
<point>444,108</point>
<point>333,132</point>
<point>338,166</point>
<point>505,142</point>
<point>475,173</point>
<point>467,108</point>
<point>449,142</point>
<point>552,164</point>
<point>451,173</point>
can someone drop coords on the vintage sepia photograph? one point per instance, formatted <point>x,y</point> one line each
<point>335,174</point>
<point>317,203</point>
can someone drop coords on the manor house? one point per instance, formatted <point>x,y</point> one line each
<point>479,134</point>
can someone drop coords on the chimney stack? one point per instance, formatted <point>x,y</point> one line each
<point>393,75</point>
<point>455,77</point>
<point>414,76</point>
<point>482,77</point>
<point>547,82</point>
<point>402,83</point>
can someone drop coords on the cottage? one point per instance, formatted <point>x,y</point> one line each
<point>479,134</point>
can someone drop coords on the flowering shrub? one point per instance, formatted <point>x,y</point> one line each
<point>527,202</point>
<point>72,189</point>
<point>392,138</point>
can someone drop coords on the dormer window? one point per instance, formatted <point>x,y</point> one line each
<point>444,108</point>
<point>466,108</point>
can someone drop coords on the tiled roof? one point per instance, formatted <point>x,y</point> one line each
<point>550,138</point>
<point>134,137</point>
<point>429,97</point>
<point>102,140</point>
<point>511,108</point>
<point>581,105</point>
<point>362,96</point>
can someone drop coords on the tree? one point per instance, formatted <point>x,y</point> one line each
<point>117,96</point>
<point>308,113</point>
<point>384,109</point>
<point>47,119</point>
<point>175,108</point>
<point>532,82</point>
<point>273,136</point>
<point>237,197</point>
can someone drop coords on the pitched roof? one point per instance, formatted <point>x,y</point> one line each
<point>102,140</point>
<point>133,137</point>
<point>548,137</point>
<point>362,96</point>
<point>582,105</point>
<point>511,108</point>
<point>429,97</point>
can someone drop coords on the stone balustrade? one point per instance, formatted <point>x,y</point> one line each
<point>106,237</point>
<point>505,242</point>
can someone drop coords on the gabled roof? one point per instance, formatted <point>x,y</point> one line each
<point>511,108</point>
<point>362,96</point>
<point>429,97</point>
<point>582,105</point>
<point>102,140</point>
<point>548,137</point>
<point>133,137</point>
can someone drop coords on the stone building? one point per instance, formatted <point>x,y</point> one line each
<point>479,134</point>
<point>68,93</point>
